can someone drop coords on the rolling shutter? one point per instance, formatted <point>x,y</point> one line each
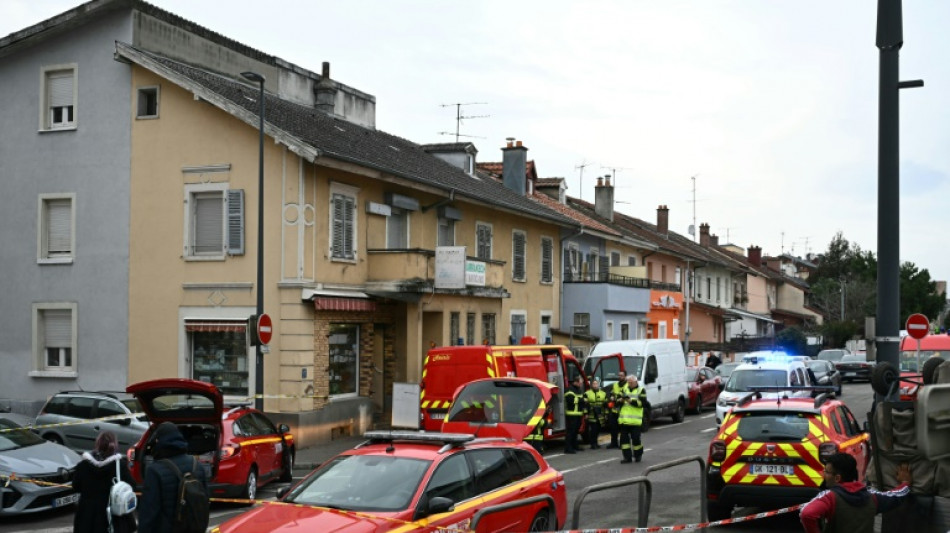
<point>59,227</point>
<point>209,229</point>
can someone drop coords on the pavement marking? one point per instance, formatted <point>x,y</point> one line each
<point>707,430</point>
<point>588,465</point>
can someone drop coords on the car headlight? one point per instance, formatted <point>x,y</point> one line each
<point>722,402</point>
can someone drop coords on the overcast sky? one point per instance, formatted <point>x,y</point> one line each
<point>771,105</point>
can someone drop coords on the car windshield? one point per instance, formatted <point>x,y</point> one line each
<point>854,358</point>
<point>609,368</point>
<point>741,380</point>
<point>14,437</point>
<point>362,483</point>
<point>133,405</point>
<point>772,427</point>
<point>496,401</point>
<point>692,374</point>
<point>831,355</point>
<point>725,370</point>
<point>818,367</point>
<point>908,361</point>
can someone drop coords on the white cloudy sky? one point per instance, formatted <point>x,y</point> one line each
<point>772,105</point>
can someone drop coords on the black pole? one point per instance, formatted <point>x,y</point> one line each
<point>259,368</point>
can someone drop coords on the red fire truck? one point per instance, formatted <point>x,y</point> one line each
<point>448,367</point>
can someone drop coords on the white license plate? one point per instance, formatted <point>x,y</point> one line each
<point>437,416</point>
<point>849,374</point>
<point>772,470</point>
<point>66,500</point>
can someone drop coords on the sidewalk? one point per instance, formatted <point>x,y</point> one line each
<point>312,456</point>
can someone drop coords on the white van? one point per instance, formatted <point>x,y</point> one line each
<point>659,364</point>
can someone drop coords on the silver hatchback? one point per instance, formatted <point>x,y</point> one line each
<point>62,419</point>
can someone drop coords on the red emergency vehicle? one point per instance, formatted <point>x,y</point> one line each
<point>446,368</point>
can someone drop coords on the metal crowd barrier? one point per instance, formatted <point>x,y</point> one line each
<point>643,504</point>
<point>703,516</point>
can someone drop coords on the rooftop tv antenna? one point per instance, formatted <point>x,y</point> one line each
<point>459,118</point>
<point>581,167</point>
<point>692,227</point>
<point>613,173</point>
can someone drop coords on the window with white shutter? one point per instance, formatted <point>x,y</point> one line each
<point>484,242</point>
<point>56,220</point>
<point>58,97</point>
<point>54,334</point>
<point>236,221</point>
<point>214,216</point>
<point>518,256</point>
<point>547,260</point>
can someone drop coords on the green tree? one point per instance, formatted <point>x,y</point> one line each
<point>919,293</point>
<point>792,340</point>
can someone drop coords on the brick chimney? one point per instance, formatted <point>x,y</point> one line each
<point>714,240</point>
<point>514,166</point>
<point>604,198</point>
<point>754,255</point>
<point>326,91</point>
<point>704,234</point>
<point>663,219</point>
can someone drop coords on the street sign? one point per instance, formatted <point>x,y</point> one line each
<point>264,328</point>
<point>917,326</point>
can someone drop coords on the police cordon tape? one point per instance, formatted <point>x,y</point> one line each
<point>6,480</point>
<point>75,422</point>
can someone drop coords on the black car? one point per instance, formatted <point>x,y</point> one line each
<point>825,374</point>
<point>855,366</point>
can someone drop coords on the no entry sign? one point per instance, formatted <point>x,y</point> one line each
<point>265,329</point>
<point>917,326</point>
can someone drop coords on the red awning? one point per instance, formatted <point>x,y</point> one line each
<point>216,326</point>
<point>322,303</point>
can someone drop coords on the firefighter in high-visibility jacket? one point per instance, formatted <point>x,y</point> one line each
<point>573,413</point>
<point>631,418</point>
<point>596,405</point>
<point>613,408</point>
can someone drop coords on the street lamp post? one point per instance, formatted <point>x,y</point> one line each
<point>259,368</point>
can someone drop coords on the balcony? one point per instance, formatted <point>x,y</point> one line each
<point>412,270</point>
<point>618,279</point>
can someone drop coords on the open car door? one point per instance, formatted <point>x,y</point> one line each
<point>499,407</point>
<point>607,370</point>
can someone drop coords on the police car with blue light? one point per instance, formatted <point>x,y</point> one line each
<point>764,369</point>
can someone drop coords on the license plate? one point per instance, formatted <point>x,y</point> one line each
<point>849,374</point>
<point>772,470</point>
<point>66,500</point>
<point>437,416</point>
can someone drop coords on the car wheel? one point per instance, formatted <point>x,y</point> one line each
<point>717,511</point>
<point>882,377</point>
<point>250,487</point>
<point>680,413</point>
<point>542,521</point>
<point>840,390</point>
<point>54,438</point>
<point>288,474</point>
<point>929,369</point>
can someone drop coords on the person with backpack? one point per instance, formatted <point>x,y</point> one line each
<point>175,495</point>
<point>93,480</point>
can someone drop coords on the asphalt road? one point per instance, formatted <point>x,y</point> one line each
<point>676,491</point>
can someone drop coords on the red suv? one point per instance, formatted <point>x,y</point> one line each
<point>239,447</point>
<point>418,481</point>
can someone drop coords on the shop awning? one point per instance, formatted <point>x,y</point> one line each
<point>216,326</point>
<point>339,300</point>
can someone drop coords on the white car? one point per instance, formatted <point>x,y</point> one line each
<point>767,373</point>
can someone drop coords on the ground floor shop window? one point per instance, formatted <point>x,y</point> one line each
<point>344,359</point>
<point>219,355</point>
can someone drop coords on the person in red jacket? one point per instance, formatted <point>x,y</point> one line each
<point>847,504</point>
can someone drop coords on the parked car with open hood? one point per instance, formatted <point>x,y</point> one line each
<point>240,448</point>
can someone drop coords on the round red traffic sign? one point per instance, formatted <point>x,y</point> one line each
<point>917,326</point>
<point>265,328</point>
